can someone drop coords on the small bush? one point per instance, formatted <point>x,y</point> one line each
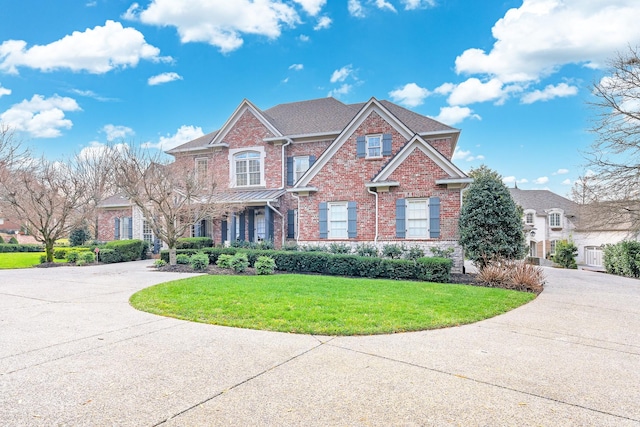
<point>414,253</point>
<point>109,256</point>
<point>442,253</point>
<point>60,253</point>
<point>43,259</point>
<point>1,240</point>
<point>81,262</point>
<point>265,265</point>
<point>511,274</point>
<point>367,250</point>
<point>623,259</point>
<point>239,262</point>
<point>72,256</point>
<point>159,263</point>
<point>79,236</point>
<point>199,261</point>
<point>224,260</point>
<point>565,256</point>
<point>194,243</point>
<point>265,245</point>
<point>183,259</point>
<point>13,241</point>
<point>289,246</point>
<point>87,257</point>
<point>314,248</point>
<point>339,248</point>
<point>393,251</point>
<point>129,250</point>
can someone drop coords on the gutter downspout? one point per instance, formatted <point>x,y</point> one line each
<point>281,216</point>
<point>375,193</point>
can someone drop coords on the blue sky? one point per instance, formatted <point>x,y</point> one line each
<point>513,75</point>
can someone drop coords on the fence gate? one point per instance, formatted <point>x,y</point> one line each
<point>593,256</point>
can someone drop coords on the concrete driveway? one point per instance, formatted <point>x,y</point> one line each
<point>73,352</point>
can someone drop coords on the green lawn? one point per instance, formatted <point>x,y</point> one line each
<point>325,305</point>
<point>21,259</point>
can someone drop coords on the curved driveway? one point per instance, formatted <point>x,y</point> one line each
<point>73,352</point>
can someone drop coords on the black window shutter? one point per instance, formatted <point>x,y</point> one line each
<point>360,146</point>
<point>386,144</point>
<point>322,217</point>
<point>290,171</point>
<point>130,228</point>
<point>401,228</point>
<point>312,160</point>
<point>243,235</point>
<point>224,228</point>
<point>434,217</point>
<point>116,229</point>
<point>352,229</point>
<point>291,224</point>
<point>252,226</point>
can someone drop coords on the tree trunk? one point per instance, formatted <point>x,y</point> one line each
<point>48,249</point>
<point>172,256</point>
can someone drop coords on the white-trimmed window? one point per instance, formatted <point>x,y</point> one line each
<point>555,220</point>
<point>202,168</point>
<point>528,218</point>
<point>417,218</point>
<point>248,170</point>
<point>147,232</point>
<point>373,146</point>
<point>552,246</point>
<point>337,220</point>
<point>300,166</point>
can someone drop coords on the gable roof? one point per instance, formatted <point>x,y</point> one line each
<point>322,116</point>
<point>543,200</point>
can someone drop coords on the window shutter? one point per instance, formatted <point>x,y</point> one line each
<point>291,224</point>
<point>203,228</point>
<point>116,229</point>
<point>312,160</point>
<point>289,170</point>
<point>401,208</point>
<point>386,144</point>
<point>243,235</point>
<point>196,229</point>
<point>224,233</point>
<point>352,230</point>
<point>360,146</point>
<point>234,236</point>
<point>130,228</point>
<point>252,225</point>
<point>322,216</point>
<point>434,217</point>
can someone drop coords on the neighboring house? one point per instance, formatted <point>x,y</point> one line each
<point>320,172</point>
<point>118,219</point>
<point>549,218</point>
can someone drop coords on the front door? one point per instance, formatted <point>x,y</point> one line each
<point>533,249</point>
<point>260,225</point>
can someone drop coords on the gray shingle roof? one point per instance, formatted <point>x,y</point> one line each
<point>116,201</point>
<point>541,200</point>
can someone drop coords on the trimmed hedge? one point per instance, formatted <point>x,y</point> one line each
<point>10,247</point>
<point>129,250</point>
<point>425,269</point>
<point>109,256</point>
<point>623,258</point>
<point>194,243</point>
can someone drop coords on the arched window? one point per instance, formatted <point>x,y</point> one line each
<point>247,168</point>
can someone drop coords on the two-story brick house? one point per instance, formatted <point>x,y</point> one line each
<point>319,172</point>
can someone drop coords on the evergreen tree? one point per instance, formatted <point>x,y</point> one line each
<point>490,223</point>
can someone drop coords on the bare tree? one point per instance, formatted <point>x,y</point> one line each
<point>614,188</point>
<point>171,196</point>
<point>46,196</point>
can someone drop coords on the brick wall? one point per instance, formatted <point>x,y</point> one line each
<point>106,222</point>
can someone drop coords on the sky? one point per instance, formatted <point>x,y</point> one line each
<point>514,75</point>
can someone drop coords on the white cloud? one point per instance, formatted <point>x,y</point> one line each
<point>473,90</point>
<point>411,95</point>
<point>444,89</point>
<point>539,37</point>
<point>541,180</point>
<point>41,117</point>
<point>342,90</point>
<point>312,7</point>
<point>455,114</point>
<point>418,4</point>
<point>566,182</point>
<point>341,74</point>
<point>4,91</point>
<point>98,50</point>
<point>355,8</point>
<point>96,149</point>
<point>92,94</point>
<point>509,179</point>
<point>163,78</point>
<point>459,154</point>
<point>222,23</point>
<point>550,92</point>
<point>561,172</point>
<point>182,135</point>
<point>383,4</point>
<point>117,132</point>
<point>303,38</point>
<point>323,22</point>
<point>296,67</point>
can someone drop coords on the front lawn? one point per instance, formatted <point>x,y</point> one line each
<point>323,305</point>
<point>21,259</point>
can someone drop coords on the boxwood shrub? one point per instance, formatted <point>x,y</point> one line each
<point>10,247</point>
<point>194,243</point>
<point>109,256</point>
<point>426,269</point>
<point>129,250</point>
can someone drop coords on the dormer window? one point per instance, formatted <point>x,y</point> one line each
<point>529,217</point>
<point>247,168</point>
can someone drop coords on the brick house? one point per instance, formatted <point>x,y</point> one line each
<point>320,171</point>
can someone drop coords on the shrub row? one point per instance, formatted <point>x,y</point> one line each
<point>111,252</point>
<point>623,259</point>
<point>10,247</point>
<point>194,243</point>
<point>129,250</point>
<point>428,269</point>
